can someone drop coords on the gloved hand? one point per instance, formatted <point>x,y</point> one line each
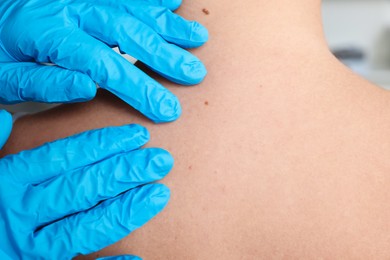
<point>80,194</point>
<point>77,36</point>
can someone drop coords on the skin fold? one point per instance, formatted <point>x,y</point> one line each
<point>281,153</point>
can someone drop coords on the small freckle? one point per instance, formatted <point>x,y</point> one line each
<point>206,103</point>
<point>190,167</point>
<point>205,11</point>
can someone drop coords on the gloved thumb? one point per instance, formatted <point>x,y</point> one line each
<point>5,126</point>
<point>120,257</point>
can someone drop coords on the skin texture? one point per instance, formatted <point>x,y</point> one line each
<point>282,153</point>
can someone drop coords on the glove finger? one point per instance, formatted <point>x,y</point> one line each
<point>50,84</point>
<point>120,257</point>
<point>79,51</point>
<point>170,4</point>
<point>103,225</point>
<point>140,41</point>
<point>5,126</point>
<point>172,27</point>
<point>86,187</point>
<point>59,157</point>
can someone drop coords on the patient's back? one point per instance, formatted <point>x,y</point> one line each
<point>280,153</point>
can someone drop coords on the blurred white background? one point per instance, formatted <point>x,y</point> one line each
<point>358,32</point>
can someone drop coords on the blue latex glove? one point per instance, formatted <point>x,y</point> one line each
<point>5,127</point>
<point>77,36</point>
<point>80,194</point>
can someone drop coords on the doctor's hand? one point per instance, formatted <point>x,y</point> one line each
<point>80,194</point>
<point>77,36</point>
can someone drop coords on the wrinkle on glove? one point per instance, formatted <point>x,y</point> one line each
<point>79,194</point>
<point>77,36</point>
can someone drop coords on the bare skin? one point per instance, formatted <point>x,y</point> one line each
<point>282,153</point>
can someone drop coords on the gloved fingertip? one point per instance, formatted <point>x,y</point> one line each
<point>167,108</point>
<point>147,202</point>
<point>159,196</point>
<point>89,90</point>
<point>139,131</point>
<point>195,72</point>
<point>82,89</point>
<point>199,36</point>
<point>171,111</point>
<point>5,126</point>
<point>133,135</point>
<point>161,161</point>
<point>4,115</point>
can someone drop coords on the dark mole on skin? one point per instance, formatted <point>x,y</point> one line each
<point>205,11</point>
<point>206,103</point>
